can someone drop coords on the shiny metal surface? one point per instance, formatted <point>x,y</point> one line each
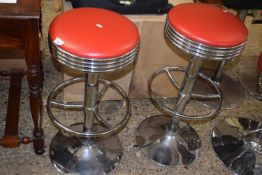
<point>84,156</point>
<point>167,140</point>
<point>238,144</point>
<point>53,103</point>
<point>219,71</point>
<point>164,146</point>
<point>250,81</point>
<point>92,65</point>
<point>90,101</point>
<point>161,102</point>
<point>198,49</point>
<point>232,91</point>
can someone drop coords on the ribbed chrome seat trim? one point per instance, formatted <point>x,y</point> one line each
<point>199,49</point>
<point>92,65</point>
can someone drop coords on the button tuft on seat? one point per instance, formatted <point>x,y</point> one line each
<point>94,33</point>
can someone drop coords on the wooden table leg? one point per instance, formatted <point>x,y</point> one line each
<point>34,77</point>
<point>10,138</point>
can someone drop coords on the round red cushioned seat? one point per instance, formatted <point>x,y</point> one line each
<point>94,33</point>
<point>207,24</point>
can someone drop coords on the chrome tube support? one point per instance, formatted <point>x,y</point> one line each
<point>186,87</point>
<point>219,71</point>
<point>90,101</point>
<point>188,83</point>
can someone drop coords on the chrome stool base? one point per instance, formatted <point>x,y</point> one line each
<point>166,147</point>
<point>84,155</point>
<point>250,82</point>
<point>231,96</point>
<point>238,144</point>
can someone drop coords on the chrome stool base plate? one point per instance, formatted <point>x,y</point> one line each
<point>167,147</point>
<point>233,92</point>
<point>82,156</point>
<point>249,80</point>
<point>236,143</point>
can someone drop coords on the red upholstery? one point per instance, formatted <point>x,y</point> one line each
<point>207,24</point>
<point>94,33</point>
<point>260,63</point>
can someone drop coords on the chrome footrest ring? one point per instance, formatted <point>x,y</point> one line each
<point>69,132</point>
<point>171,112</point>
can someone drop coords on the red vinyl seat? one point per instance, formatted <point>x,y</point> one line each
<point>93,33</point>
<point>208,25</point>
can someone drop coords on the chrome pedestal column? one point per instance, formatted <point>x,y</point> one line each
<point>238,144</point>
<point>165,139</point>
<point>91,147</point>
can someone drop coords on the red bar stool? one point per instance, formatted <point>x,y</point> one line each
<point>92,41</point>
<point>205,32</point>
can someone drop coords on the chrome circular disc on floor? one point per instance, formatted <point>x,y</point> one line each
<point>238,144</point>
<point>70,154</point>
<point>233,92</point>
<point>249,80</point>
<point>166,147</point>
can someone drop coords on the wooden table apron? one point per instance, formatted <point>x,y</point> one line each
<point>20,29</point>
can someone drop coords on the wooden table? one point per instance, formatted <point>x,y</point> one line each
<point>20,30</point>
